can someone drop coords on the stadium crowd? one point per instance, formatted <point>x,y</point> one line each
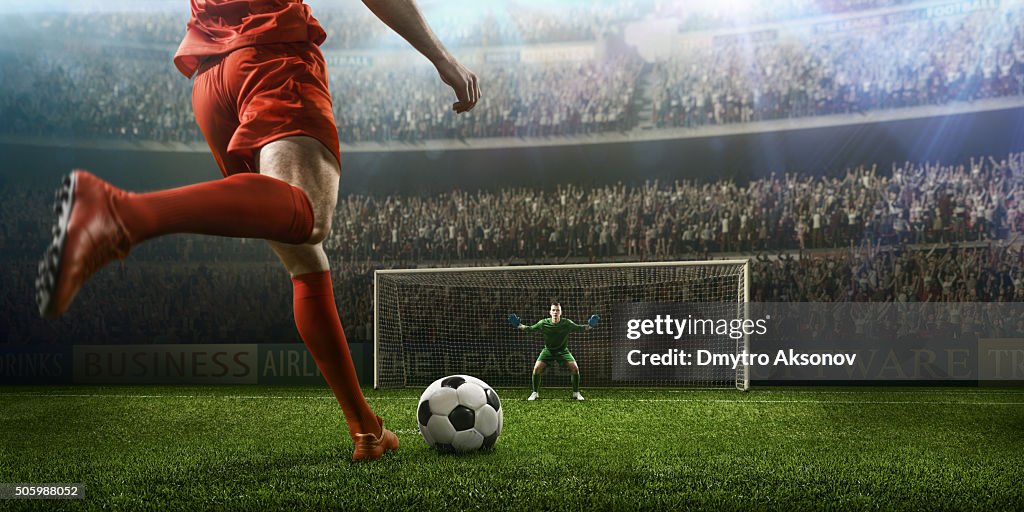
<point>93,95</point>
<point>913,204</point>
<point>411,105</point>
<point>98,96</point>
<point>130,92</point>
<point>698,16</point>
<point>920,233</point>
<point>927,62</point>
<point>351,26</point>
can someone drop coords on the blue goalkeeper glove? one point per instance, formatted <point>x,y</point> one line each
<point>594,319</point>
<point>514,321</point>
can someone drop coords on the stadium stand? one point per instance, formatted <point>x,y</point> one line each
<point>797,69</point>
<point>920,233</point>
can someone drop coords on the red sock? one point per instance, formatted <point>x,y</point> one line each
<point>245,205</point>
<point>316,317</point>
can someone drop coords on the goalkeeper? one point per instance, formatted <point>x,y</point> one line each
<point>556,346</point>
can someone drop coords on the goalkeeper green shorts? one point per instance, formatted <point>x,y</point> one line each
<point>562,357</point>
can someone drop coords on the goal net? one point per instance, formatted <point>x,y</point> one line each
<point>435,322</point>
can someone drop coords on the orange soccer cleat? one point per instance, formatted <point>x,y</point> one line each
<point>372,446</point>
<point>88,235</point>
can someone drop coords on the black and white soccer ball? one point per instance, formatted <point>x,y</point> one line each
<point>459,413</point>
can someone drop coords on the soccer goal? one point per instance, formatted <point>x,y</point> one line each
<point>429,323</point>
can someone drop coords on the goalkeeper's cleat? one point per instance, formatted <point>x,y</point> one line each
<point>372,446</point>
<point>577,396</point>
<point>533,396</point>
<point>88,235</point>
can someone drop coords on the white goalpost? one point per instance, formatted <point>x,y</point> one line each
<point>433,322</point>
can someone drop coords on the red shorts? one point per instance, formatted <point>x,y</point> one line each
<point>258,94</point>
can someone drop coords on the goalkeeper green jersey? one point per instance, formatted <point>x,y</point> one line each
<point>556,336</point>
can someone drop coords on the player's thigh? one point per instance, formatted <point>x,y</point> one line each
<point>572,366</point>
<point>539,366</point>
<point>305,163</point>
<point>286,126</point>
<point>301,259</point>
<point>564,358</point>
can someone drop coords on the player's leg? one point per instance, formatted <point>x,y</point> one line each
<point>538,370</point>
<point>574,376</point>
<point>306,163</point>
<point>316,318</point>
<point>98,223</point>
<point>297,143</point>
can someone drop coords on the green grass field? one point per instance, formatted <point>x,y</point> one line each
<point>262,448</point>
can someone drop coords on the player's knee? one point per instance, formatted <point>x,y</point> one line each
<point>321,202</point>
<point>321,228</point>
<point>323,215</point>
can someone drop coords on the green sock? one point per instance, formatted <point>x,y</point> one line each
<point>536,383</point>
<point>575,377</point>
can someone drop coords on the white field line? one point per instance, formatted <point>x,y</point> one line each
<point>822,402</point>
<point>622,400</point>
<point>209,397</point>
<point>959,391</point>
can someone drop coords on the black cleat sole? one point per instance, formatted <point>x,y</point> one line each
<point>49,267</point>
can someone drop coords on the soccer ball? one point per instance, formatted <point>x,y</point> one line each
<point>459,413</point>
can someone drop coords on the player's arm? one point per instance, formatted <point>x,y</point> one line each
<point>405,18</point>
<point>533,327</point>
<point>577,327</point>
<point>514,321</point>
<point>591,323</point>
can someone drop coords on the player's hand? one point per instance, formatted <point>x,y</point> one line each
<point>514,321</point>
<point>462,81</point>
<point>592,322</point>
